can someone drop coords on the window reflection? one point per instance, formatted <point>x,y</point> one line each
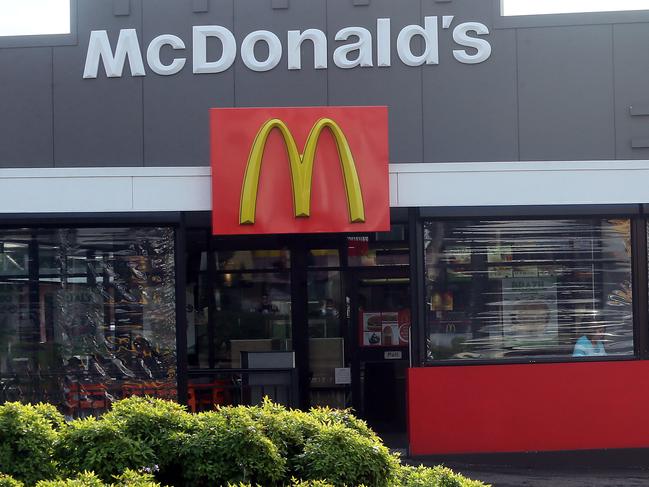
<point>87,316</point>
<point>380,249</point>
<point>253,313</point>
<point>239,260</point>
<point>528,288</point>
<point>323,258</point>
<point>326,342</point>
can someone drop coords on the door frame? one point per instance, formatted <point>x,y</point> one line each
<point>353,275</point>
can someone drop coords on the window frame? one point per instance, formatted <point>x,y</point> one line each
<point>639,222</point>
<point>46,40</point>
<point>501,21</point>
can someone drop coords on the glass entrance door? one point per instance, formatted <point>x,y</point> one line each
<point>380,305</point>
<point>329,375</point>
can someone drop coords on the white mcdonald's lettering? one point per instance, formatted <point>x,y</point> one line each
<point>354,48</point>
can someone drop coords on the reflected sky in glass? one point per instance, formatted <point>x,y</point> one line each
<point>534,7</point>
<point>33,17</point>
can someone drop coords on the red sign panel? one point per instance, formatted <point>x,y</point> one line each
<point>299,170</point>
<point>528,407</point>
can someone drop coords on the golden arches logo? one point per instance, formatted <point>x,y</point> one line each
<point>301,169</point>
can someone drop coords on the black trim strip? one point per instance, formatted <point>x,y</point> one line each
<point>513,212</point>
<point>88,219</point>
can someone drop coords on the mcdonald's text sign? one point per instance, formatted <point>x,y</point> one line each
<point>299,170</point>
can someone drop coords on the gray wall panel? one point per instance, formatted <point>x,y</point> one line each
<point>470,111</point>
<point>97,122</point>
<point>26,107</point>
<point>631,87</point>
<point>280,87</point>
<point>398,87</point>
<point>566,93</point>
<point>546,93</point>
<point>176,122</point>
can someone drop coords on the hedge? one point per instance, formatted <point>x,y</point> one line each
<point>146,442</point>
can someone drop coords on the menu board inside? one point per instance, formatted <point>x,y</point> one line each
<point>385,328</point>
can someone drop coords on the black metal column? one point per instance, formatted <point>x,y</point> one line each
<point>299,319</point>
<point>180,259</point>
<point>417,289</point>
<point>640,291</point>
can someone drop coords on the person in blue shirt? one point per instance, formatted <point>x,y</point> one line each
<point>590,344</point>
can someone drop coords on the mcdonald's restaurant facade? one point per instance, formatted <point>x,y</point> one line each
<point>424,210</point>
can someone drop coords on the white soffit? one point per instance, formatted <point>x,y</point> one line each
<point>146,189</point>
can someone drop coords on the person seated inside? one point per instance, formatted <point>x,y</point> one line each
<point>591,343</point>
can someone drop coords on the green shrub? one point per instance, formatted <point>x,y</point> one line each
<point>9,481</point>
<point>343,456</point>
<point>51,414</point>
<point>228,446</point>
<point>85,479</point>
<point>289,430</point>
<point>344,417</point>
<point>311,483</point>
<point>26,438</point>
<point>100,446</point>
<point>296,483</point>
<point>432,477</point>
<point>156,423</point>
<point>266,445</point>
<point>130,478</point>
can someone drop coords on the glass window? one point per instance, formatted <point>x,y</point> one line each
<point>239,302</point>
<point>326,338</point>
<point>323,258</point>
<point>530,288</point>
<point>535,7</point>
<point>238,260</point>
<point>380,249</point>
<point>87,316</point>
<point>239,317</point>
<point>325,304</point>
<point>34,17</point>
<point>253,314</point>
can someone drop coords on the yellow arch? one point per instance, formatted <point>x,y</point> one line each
<point>301,169</point>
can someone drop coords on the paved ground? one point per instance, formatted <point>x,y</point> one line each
<point>621,468</point>
<point>513,477</point>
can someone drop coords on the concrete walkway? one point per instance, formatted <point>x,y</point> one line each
<point>513,477</point>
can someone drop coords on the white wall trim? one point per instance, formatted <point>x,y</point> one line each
<point>133,189</point>
<point>521,183</point>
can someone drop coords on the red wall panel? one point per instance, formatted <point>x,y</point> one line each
<point>535,407</point>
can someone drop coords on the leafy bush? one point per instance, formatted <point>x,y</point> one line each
<point>296,483</point>
<point>289,430</point>
<point>85,479</point>
<point>155,423</point>
<point>130,478</point>
<point>51,414</point>
<point>345,457</point>
<point>344,417</point>
<point>9,481</point>
<point>266,445</point>
<point>27,434</point>
<point>311,483</point>
<point>100,446</point>
<point>228,446</point>
<point>432,477</point>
